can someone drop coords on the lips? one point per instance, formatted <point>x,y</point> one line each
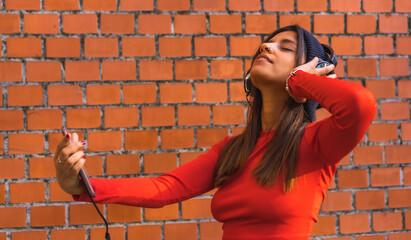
<point>264,56</point>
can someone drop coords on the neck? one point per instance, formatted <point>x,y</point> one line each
<point>273,102</point>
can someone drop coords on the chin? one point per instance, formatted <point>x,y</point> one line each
<point>261,78</point>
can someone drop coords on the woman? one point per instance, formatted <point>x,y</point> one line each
<point>273,177</point>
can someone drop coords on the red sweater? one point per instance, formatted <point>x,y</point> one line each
<point>247,210</point>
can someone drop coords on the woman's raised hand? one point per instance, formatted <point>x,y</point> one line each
<point>68,160</point>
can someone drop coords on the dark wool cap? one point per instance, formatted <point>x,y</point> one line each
<point>313,49</point>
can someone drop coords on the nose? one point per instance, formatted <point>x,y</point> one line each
<point>266,48</point>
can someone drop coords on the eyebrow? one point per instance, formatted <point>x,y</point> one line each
<point>286,40</point>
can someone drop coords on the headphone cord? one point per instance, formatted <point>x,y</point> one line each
<point>107,236</point>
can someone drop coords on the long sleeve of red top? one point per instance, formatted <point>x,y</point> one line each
<point>248,210</point>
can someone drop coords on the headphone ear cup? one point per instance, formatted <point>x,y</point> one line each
<point>332,58</point>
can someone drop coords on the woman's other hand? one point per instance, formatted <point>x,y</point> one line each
<point>68,160</point>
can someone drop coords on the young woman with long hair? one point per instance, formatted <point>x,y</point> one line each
<point>273,177</point>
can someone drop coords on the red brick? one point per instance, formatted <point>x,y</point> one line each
<point>394,67</point>
<point>186,157</point>
<point>324,226</point>
<point>159,162</point>
<point>57,194</point>
<point>328,24</point>
<point>174,231</point>
<point>387,221</point>
<point>94,165</point>
<point>279,5</point>
<point>345,6</point>
<point>80,23</point>
<point>244,46</point>
<point>237,93</point>
<point>27,143</point>
<point>211,92</point>
<point>402,6</point>
<point>144,232</point>
<point>64,95</point>
<point>122,213</point>
<point>9,23</point>
<point>42,119</point>
<point>43,216</point>
<point>139,93</point>
<point>141,140</point>
<point>117,23</point>
<point>61,5</point>
<point>371,237</point>
<point>210,46</point>
<point>11,120</point>
<point>101,47</point>
<point>399,198</point>
<point>226,69</point>
<point>177,138</point>
<point>63,47</point>
<point>99,233</point>
<point>43,71</point>
<point>22,5</point>
<point>83,117</point>
<point>210,5</point>
<point>362,67</point>
<point>24,47</point>
<point>103,94</point>
<point>104,141</point>
<point>173,5</point>
<point>230,114</point>
<point>211,230</point>
<point>369,199</point>
<point>206,137</point>
<point>395,110</point>
<point>27,192</point>
<point>225,23</point>
<point>157,116</point>
<point>82,70</point>
<point>176,93</point>
<point>393,24</point>
<point>168,212</point>
<point>193,115</point>
<point>381,177</point>
<point>138,46</point>
<point>381,132</point>
<point>404,88</point>
<point>12,217</point>
<point>406,131</point>
<point>377,5</point>
<point>132,5</point>
<point>121,117</point>
<point>399,236</point>
<point>175,47</point>
<point>67,234</point>
<point>32,235</point>
<point>191,69</point>
<point>407,220</point>
<point>346,45</point>
<point>10,72</point>
<point>119,70</point>
<point>41,23</point>
<point>84,214</point>
<point>260,23</point>
<point>25,95</point>
<point>366,155</point>
<point>403,44</point>
<point>2,194</point>
<point>397,154</point>
<point>196,208</point>
<point>381,88</point>
<point>154,24</point>
<point>312,6</point>
<point>354,223</point>
<point>302,20</point>
<point>156,70</point>
<point>100,5</point>
<point>17,164</point>
<point>337,201</point>
<point>355,178</point>
<point>368,24</point>
<point>244,5</point>
<point>123,164</point>
<point>42,167</point>
<point>190,24</point>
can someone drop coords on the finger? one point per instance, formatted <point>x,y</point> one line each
<point>63,143</point>
<point>69,150</point>
<point>313,62</point>
<point>75,169</point>
<point>74,138</point>
<point>73,159</point>
<point>332,76</point>
<point>325,70</point>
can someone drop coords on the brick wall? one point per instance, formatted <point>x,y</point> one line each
<point>151,84</point>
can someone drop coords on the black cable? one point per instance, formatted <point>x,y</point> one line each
<point>107,236</point>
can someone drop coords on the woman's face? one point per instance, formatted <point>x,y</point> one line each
<point>276,60</point>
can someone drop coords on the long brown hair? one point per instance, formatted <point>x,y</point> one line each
<point>282,150</point>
